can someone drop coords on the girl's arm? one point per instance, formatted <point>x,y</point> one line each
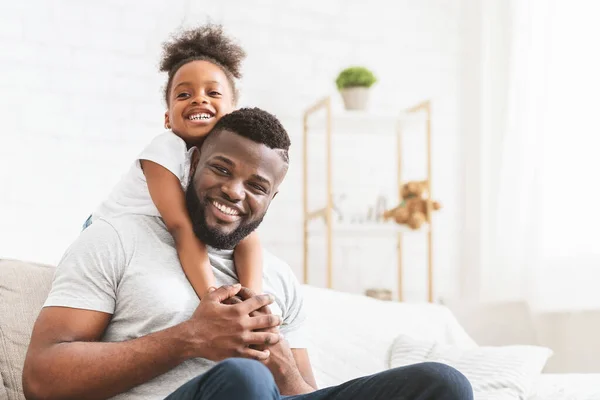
<point>249,262</point>
<point>169,198</point>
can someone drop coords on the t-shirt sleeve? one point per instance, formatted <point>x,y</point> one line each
<point>294,323</point>
<point>169,151</point>
<point>89,272</point>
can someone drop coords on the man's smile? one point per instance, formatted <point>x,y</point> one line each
<point>225,213</point>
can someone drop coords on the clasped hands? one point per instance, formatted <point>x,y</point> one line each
<point>233,321</point>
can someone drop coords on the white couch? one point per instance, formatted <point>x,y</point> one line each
<point>354,335</point>
<point>350,336</point>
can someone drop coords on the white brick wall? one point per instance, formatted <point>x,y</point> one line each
<point>80,95</point>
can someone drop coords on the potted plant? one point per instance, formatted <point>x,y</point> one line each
<point>354,84</point>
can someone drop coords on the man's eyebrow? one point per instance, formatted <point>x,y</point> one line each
<point>261,179</point>
<point>224,159</point>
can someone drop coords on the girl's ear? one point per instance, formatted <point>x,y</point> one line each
<point>167,123</point>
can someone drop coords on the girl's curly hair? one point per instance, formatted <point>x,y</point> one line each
<point>208,43</point>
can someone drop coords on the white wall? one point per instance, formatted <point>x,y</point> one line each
<point>80,95</point>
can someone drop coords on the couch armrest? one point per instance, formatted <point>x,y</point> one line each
<point>3,393</point>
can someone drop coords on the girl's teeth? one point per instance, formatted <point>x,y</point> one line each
<point>200,116</point>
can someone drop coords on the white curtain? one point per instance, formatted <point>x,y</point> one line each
<point>544,169</point>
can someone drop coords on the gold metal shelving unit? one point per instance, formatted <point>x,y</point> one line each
<point>326,212</point>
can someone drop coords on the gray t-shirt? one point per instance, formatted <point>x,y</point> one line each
<point>128,267</point>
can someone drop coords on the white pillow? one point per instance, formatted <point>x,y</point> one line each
<point>350,335</point>
<point>503,372</point>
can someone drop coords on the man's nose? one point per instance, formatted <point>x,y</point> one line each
<point>233,190</point>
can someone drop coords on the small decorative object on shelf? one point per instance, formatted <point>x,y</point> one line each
<point>415,207</point>
<point>380,294</point>
<point>354,84</point>
<point>368,223</point>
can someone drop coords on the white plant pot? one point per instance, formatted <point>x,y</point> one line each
<point>355,98</point>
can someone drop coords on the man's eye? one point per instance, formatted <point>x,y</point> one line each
<point>258,187</point>
<point>221,170</point>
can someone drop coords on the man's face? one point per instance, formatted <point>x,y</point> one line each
<point>232,187</point>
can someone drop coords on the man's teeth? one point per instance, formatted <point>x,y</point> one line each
<point>200,116</point>
<point>225,209</point>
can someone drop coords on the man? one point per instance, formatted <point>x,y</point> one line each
<point>123,322</point>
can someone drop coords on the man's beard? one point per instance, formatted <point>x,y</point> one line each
<point>211,236</point>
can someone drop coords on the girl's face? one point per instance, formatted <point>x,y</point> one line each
<point>200,95</point>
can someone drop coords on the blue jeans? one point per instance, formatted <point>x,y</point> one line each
<point>243,379</point>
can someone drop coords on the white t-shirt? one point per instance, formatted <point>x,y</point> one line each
<point>128,267</point>
<point>131,194</point>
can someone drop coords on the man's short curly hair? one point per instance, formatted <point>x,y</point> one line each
<point>257,125</point>
<point>207,43</point>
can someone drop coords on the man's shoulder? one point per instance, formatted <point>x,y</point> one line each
<point>125,222</point>
<point>274,261</point>
<point>278,268</point>
<point>130,227</point>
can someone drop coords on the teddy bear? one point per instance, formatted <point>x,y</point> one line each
<point>412,211</point>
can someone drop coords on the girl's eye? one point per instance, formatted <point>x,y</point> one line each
<point>182,95</point>
<point>215,93</point>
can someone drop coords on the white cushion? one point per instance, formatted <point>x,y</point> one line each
<point>582,386</point>
<point>350,335</point>
<point>498,373</point>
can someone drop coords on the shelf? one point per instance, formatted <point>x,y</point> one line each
<point>317,120</point>
<point>364,122</point>
<point>370,229</point>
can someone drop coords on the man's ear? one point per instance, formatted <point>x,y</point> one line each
<point>194,160</point>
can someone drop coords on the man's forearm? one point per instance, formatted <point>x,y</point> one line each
<point>99,370</point>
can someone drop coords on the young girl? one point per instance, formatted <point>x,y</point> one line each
<point>201,65</point>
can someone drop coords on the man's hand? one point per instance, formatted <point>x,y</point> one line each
<point>246,294</point>
<point>281,361</point>
<point>217,330</point>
